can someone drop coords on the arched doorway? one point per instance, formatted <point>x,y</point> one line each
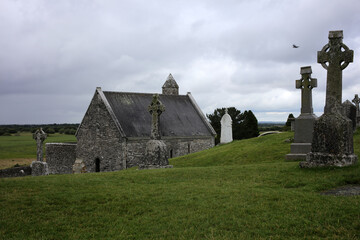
<point>97,165</point>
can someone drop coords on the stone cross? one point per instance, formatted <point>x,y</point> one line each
<point>334,57</point>
<point>356,100</point>
<point>306,84</point>
<point>155,109</point>
<point>39,137</point>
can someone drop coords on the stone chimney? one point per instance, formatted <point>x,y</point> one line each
<point>170,86</point>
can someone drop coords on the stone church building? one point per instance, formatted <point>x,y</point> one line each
<point>113,133</point>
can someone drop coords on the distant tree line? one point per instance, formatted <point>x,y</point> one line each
<point>65,128</point>
<point>264,127</point>
<point>245,125</point>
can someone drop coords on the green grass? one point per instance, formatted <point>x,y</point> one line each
<point>241,190</point>
<point>22,149</point>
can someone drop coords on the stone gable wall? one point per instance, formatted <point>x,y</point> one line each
<point>60,157</point>
<point>99,138</point>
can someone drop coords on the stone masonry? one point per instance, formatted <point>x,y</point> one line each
<point>39,167</point>
<point>332,143</point>
<point>304,124</point>
<point>156,155</point>
<point>60,157</point>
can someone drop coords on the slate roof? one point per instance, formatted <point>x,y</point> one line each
<point>181,117</point>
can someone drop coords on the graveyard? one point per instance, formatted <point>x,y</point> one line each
<point>240,190</point>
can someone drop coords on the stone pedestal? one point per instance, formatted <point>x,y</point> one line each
<point>39,168</point>
<point>155,155</point>
<point>79,166</point>
<point>332,142</point>
<point>304,126</point>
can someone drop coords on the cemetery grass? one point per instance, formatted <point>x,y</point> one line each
<point>21,148</point>
<point>241,190</point>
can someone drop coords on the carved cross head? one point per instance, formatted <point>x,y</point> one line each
<point>356,99</point>
<point>335,53</point>
<point>156,107</point>
<point>39,135</point>
<point>306,81</point>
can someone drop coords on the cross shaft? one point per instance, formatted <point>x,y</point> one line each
<point>155,109</point>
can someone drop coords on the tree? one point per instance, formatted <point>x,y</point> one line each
<point>249,125</point>
<point>244,124</point>
<point>287,126</point>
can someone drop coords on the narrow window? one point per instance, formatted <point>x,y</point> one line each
<point>189,148</point>
<point>171,153</point>
<point>97,165</point>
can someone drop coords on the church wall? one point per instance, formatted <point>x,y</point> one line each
<point>99,142</point>
<point>60,157</point>
<point>135,147</point>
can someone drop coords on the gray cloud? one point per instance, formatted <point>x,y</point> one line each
<point>228,53</point>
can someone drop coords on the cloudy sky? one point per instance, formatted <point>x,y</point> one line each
<point>53,54</point>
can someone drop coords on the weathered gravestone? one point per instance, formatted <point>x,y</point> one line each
<point>39,167</point>
<point>349,111</point>
<point>226,128</point>
<point>156,151</point>
<point>332,143</point>
<point>356,100</point>
<point>304,124</point>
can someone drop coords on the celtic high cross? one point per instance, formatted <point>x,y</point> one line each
<point>155,109</point>
<point>306,84</point>
<point>39,137</point>
<point>356,100</point>
<point>334,57</point>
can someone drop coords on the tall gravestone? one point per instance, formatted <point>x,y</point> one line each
<point>304,124</point>
<point>356,100</point>
<point>226,135</point>
<point>332,143</point>
<point>39,167</point>
<point>156,151</point>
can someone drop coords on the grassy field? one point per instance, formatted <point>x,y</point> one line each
<point>21,149</point>
<point>241,190</point>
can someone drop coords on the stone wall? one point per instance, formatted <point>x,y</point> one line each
<point>135,147</point>
<point>100,144</point>
<point>60,157</point>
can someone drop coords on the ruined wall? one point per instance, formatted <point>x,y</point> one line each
<point>99,142</point>
<point>135,147</point>
<point>60,157</point>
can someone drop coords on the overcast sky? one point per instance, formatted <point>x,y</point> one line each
<point>53,54</point>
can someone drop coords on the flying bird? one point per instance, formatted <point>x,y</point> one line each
<point>294,46</point>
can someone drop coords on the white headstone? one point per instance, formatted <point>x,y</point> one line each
<point>226,128</point>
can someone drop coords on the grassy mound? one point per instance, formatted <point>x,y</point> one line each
<point>241,190</point>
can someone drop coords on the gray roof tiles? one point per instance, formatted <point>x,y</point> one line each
<point>179,119</point>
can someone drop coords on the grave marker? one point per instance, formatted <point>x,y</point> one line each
<point>332,143</point>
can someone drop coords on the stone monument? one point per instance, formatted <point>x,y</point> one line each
<point>349,111</point>
<point>226,128</point>
<point>356,100</point>
<point>156,151</point>
<point>39,167</point>
<point>304,124</point>
<point>332,143</point>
